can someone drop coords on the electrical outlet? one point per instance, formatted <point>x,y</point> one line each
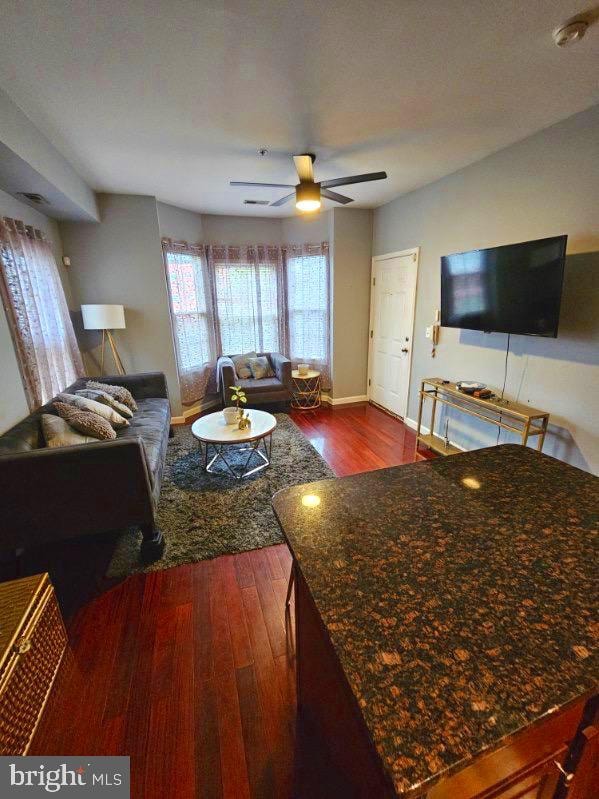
<point>429,332</point>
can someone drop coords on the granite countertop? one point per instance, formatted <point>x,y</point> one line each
<point>458,594</point>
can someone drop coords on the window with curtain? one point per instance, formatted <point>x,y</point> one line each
<point>227,300</point>
<point>37,313</point>
<point>191,315</point>
<point>247,293</point>
<point>307,281</point>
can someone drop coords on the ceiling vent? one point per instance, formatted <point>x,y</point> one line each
<point>38,199</point>
<point>255,202</point>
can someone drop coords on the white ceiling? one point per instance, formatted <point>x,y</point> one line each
<point>174,97</point>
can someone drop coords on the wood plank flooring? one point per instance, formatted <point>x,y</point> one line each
<point>190,670</point>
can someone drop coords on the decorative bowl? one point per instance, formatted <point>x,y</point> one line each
<point>231,415</point>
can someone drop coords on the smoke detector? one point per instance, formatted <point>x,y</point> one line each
<point>570,32</point>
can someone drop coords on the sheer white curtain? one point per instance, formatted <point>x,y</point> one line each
<point>308,306</point>
<point>248,295</point>
<point>192,316</point>
<point>37,313</point>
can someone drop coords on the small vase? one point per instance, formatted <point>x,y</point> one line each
<point>231,415</point>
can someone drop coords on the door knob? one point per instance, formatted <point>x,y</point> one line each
<point>404,349</point>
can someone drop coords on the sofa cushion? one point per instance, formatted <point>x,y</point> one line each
<point>252,386</point>
<point>151,423</point>
<point>105,399</point>
<point>85,404</point>
<point>86,422</point>
<point>118,392</point>
<point>59,433</point>
<point>260,367</point>
<point>242,365</point>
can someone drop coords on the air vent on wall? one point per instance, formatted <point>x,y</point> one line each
<point>255,202</point>
<point>38,199</point>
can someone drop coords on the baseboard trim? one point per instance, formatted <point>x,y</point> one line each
<point>343,400</point>
<point>426,430</point>
<point>413,424</point>
<point>189,412</point>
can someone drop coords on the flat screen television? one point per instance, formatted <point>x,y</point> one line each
<point>516,288</point>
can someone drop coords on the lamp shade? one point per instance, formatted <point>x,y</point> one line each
<point>307,196</point>
<point>103,317</point>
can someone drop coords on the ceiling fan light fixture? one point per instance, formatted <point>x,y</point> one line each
<point>307,197</point>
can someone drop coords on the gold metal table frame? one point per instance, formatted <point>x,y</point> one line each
<point>523,420</point>
<point>306,390</point>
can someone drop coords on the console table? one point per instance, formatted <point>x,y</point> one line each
<point>513,416</point>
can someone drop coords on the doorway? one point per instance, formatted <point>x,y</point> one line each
<point>392,309</point>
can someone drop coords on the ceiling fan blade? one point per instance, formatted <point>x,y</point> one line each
<point>326,184</point>
<point>267,185</point>
<point>332,195</point>
<point>284,199</point>
<point>303,164</point>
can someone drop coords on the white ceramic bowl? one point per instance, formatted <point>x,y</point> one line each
<point>230,413</point>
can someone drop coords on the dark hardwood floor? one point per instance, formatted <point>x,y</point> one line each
<point>190,670</point>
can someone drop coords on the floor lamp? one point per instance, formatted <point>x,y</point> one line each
<point>105,318</point>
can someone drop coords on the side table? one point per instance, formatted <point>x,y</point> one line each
<point>32,642</point>
<point>306,390</point>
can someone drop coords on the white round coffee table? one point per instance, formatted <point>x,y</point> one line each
<point>213,433</point>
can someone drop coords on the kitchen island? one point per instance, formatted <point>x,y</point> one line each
<point>446,628</point>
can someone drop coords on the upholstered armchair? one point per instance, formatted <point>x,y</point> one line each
<point>259,392</point>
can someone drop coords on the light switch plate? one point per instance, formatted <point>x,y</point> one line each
<point>429,332</point>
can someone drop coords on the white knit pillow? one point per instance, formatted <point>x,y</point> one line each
<point>84,404</point>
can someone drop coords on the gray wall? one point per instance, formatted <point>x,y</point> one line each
<point>180,224</point>
<point>545,185</point>
<point>120,261</point>
<point>13,403</point>
<point>306,229</point>
<point>33,164</point>
<point>351,247</point>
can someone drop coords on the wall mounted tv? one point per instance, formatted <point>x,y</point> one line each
<point>516,288</point>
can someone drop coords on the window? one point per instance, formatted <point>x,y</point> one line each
<point>230,300</point>
<point>307,276</point>
<point>37,312</point>
<point>247,298</point>
<point>192,324</point>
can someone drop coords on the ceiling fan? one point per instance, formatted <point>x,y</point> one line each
<point>308,193</point>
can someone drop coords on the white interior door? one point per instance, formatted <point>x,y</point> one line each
<point>392,306</point>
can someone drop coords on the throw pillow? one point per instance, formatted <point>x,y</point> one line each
<point>106,399</point>
<point>260,367</point>
<point>105,411</point>
<point>242,365</point>
<point>90,424</point>
<point>118,392</point>
<point>58,433</point>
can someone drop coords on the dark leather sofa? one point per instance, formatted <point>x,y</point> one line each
<point>265,391</point>
<point>50,494</point>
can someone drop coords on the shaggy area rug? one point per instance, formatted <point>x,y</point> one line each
<point>205,515</point>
